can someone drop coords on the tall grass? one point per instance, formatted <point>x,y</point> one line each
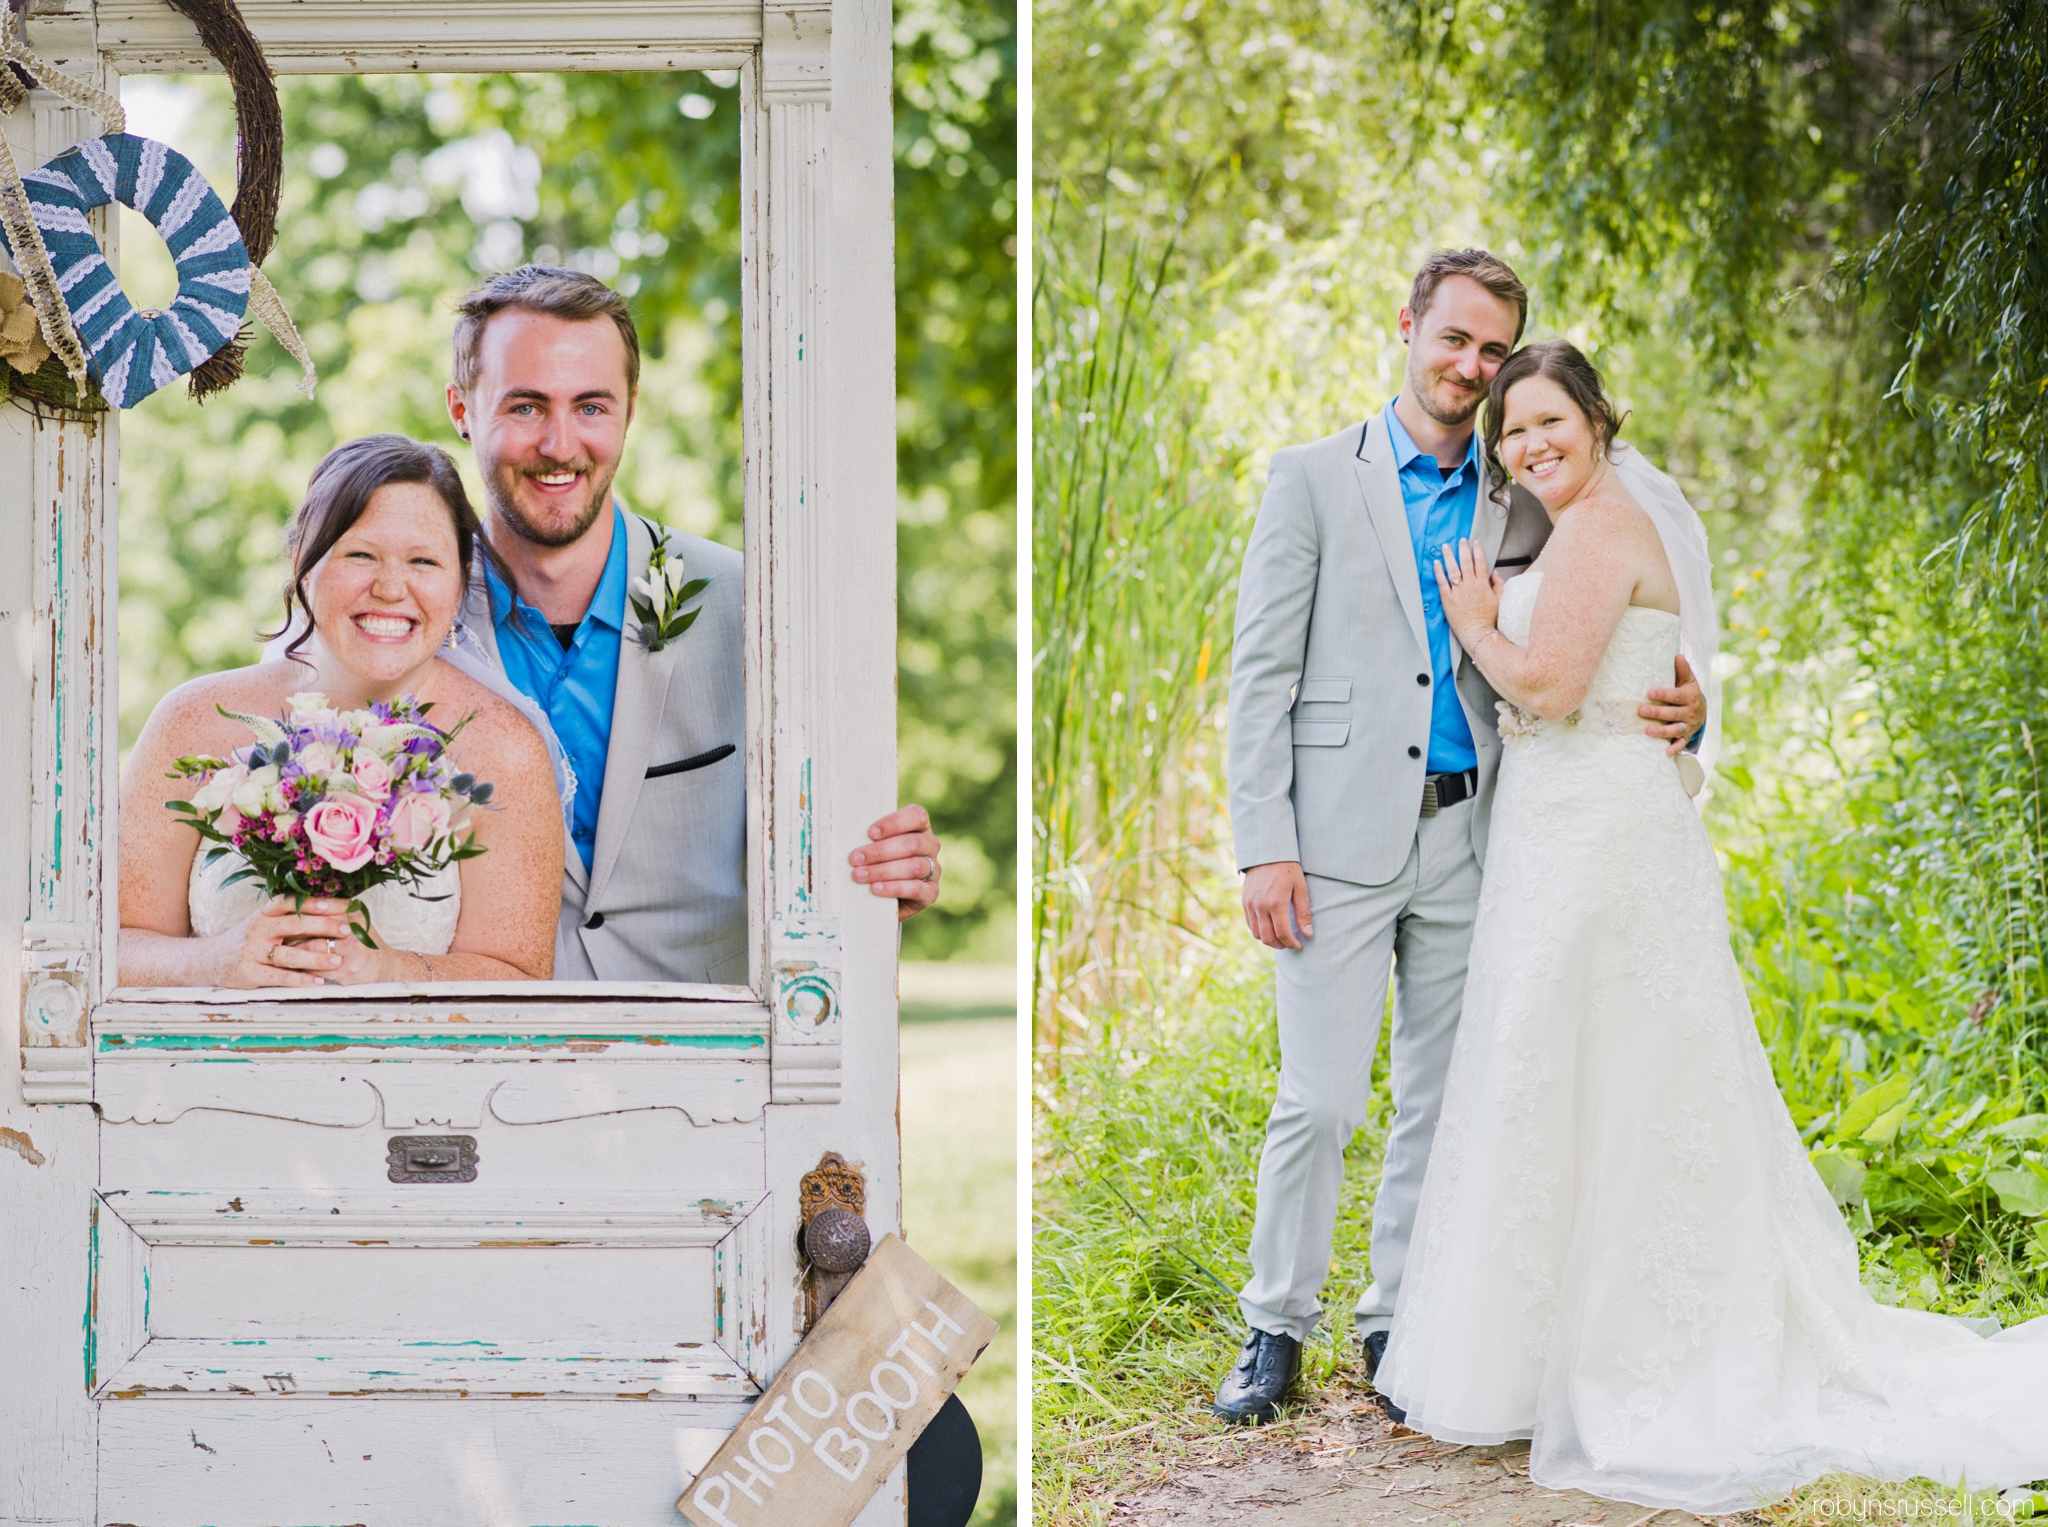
<point>1137,530</point>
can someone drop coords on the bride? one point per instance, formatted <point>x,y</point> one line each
<point>381,555</point>
<point>1622,1252</point>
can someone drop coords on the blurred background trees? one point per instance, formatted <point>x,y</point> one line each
<point>1807,241</point>
<point>401,191</point>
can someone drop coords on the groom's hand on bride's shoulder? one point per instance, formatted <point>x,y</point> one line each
<point>1677,713</point>
<point>901,860</point>
<point>1276,903</point>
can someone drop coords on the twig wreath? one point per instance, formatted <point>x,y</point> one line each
<point>86,321</point>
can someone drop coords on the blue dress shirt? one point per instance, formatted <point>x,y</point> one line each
<point>574,685</point>
<point>1440,506</point>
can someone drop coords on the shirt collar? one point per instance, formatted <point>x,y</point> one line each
<point>607,604</point>
<point>1407,452</point>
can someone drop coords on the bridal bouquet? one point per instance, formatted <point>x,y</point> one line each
<point>331,803</point>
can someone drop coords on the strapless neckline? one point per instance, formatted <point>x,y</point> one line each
<point>1639,657</point>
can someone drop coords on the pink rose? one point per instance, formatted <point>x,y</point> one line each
<point>417,820</point>
<point>372,775</point>
<point>340,829</point>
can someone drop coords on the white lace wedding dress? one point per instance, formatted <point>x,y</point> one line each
<point>398,918</point>
<point>1622,1252</point>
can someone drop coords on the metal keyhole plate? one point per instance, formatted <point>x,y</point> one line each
<point>431,1158</point>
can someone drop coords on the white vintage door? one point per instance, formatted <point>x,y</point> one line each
<point>443,1255</point>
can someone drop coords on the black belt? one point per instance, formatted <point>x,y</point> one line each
<point>1441,790</point>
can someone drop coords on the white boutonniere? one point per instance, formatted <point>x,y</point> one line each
<point>659,597</point>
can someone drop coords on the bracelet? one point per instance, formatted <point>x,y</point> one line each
<point>424,961</point>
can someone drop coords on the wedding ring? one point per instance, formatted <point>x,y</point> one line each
<point>931,867</point>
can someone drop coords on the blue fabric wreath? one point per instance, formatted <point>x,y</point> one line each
<point>132,356</point>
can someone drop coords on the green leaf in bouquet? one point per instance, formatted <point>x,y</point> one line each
<point>238,876</point>
<point>360,929</point>
<point>692,589</point>
<point>681,623</point>
<point>181,806</point>
<point>194,763</point>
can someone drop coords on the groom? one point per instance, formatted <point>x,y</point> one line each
<point>1362,758</point>
<point>547,367</point>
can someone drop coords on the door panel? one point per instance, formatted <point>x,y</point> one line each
<point>638,1294</point>
<point>403,1463</point>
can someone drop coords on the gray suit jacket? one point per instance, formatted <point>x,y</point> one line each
<point>665,898</point>
<point>1330,673</point>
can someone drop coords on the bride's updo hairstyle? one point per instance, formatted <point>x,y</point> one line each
<point>339,494</point>
<point>1563,363</point>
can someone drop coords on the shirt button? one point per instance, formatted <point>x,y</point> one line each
<point>596,920</point>
<point>1415,752</point>
<point>1422,679</point>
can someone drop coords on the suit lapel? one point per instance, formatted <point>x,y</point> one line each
<point>637,705</point>
<point>1381,485</point>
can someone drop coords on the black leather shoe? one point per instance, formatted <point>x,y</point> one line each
<point>1265,1371</point>
<point>1373,1349</point>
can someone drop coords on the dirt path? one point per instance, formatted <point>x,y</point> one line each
<point>1345,1466</point>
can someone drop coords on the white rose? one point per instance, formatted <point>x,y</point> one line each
<point>306,701</point>
<point>317,758</point>
<point>253,795</point>
<point>221,788</point>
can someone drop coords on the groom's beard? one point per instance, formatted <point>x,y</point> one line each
<point>1447,404</point>
<point>503,485</point>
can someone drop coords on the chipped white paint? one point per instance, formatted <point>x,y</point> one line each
<point>56,678</point>
<point>406,1462</point>
<point>221,1259</point>
<point>394,36</point>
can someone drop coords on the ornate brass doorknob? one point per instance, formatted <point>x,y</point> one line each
<point>836,1240</point>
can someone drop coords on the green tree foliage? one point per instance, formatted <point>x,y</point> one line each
<point>400,191</point>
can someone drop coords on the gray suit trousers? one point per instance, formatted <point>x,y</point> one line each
<point>1331,994</point>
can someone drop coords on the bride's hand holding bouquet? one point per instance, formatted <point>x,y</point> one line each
<point>326,804</point>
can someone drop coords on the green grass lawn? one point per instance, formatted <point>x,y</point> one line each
<point>959,1115</point>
